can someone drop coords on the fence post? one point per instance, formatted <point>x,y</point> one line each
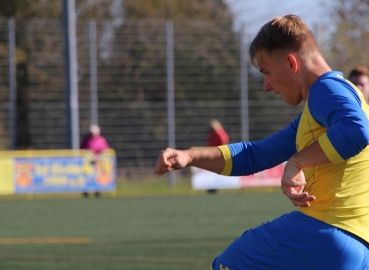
<point>71,73</point>
<point>93,72</point>
<point>12,84</point>
<point>244,87</point>
<point>170,93</point>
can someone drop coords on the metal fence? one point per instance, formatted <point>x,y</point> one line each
<point>134,79</point>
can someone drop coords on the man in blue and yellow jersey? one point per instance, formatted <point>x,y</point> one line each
<point>327,154</point>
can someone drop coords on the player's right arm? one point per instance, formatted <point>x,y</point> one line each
<point>209,158</point>
<point>236,159</point>
<point>246,158</point>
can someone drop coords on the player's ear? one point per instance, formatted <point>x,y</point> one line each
<point>292,61</point>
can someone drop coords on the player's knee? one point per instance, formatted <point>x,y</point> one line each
<point>217,265</point>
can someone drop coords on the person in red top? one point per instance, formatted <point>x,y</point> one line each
<point>96,143</point>
<point>217,136</point>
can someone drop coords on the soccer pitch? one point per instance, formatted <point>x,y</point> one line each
<point>136,233</point>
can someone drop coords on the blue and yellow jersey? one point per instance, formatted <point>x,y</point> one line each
<point>336,115</point>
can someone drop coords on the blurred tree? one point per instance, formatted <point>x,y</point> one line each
<point>204,38</point>
<point>54,9</point>
<point>205,10</point>
<point>206,64</point>
<point>21,11</point>
<point>24,12</point>
<point>350,41</point>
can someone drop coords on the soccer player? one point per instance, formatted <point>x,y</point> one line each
<point>327,154</point>
<point>360,77</point>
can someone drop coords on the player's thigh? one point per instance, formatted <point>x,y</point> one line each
<point>294,241</point>
<point>260,248</point>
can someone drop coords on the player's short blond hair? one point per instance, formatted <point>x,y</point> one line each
<point>284,33</point>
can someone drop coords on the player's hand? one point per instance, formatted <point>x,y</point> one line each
<point>293,183</point>
<point>171,159</point>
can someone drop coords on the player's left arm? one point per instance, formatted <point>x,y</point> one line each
<point>347,135</point>
<point>346,122</point>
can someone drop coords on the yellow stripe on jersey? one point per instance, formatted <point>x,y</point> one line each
<point>228,159</point>
<point>329,150</point>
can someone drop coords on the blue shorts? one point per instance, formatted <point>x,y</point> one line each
<point>295,241</point>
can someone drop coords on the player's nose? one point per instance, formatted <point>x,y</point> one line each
<point>266,85</point>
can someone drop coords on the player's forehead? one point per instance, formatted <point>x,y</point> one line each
<point>360,78</point>
<point>364,78</point>
<point>264,60</point>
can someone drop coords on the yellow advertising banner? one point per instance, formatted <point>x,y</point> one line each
<point>44,171</point>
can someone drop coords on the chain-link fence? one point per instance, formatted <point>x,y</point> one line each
<point>132,84</point>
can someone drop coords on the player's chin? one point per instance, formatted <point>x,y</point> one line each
<point>291,102</point>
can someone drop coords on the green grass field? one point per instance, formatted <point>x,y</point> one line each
<point>144,232</point>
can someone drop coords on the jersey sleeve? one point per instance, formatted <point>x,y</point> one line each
<point>335,105</point>
<point>247,158</point>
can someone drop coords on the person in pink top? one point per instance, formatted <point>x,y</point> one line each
<point>96,143</point>
<point>94,140</point>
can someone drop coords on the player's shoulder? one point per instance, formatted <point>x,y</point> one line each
<point>329,81</point>
<point>330,86</point>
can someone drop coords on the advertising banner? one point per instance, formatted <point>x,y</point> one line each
<point>205,180</point>
<point>45,171</point>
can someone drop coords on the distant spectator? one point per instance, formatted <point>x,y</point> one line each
<point>217,135</point>
<point>360,77</point>
<point>95,142</point>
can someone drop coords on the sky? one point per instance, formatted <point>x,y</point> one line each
<point>252,14</point>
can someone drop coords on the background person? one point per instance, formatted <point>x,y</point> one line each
<point>217,136</point>
<point>96,143</point>
<point>360,77</point>
<point>327,154</point>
